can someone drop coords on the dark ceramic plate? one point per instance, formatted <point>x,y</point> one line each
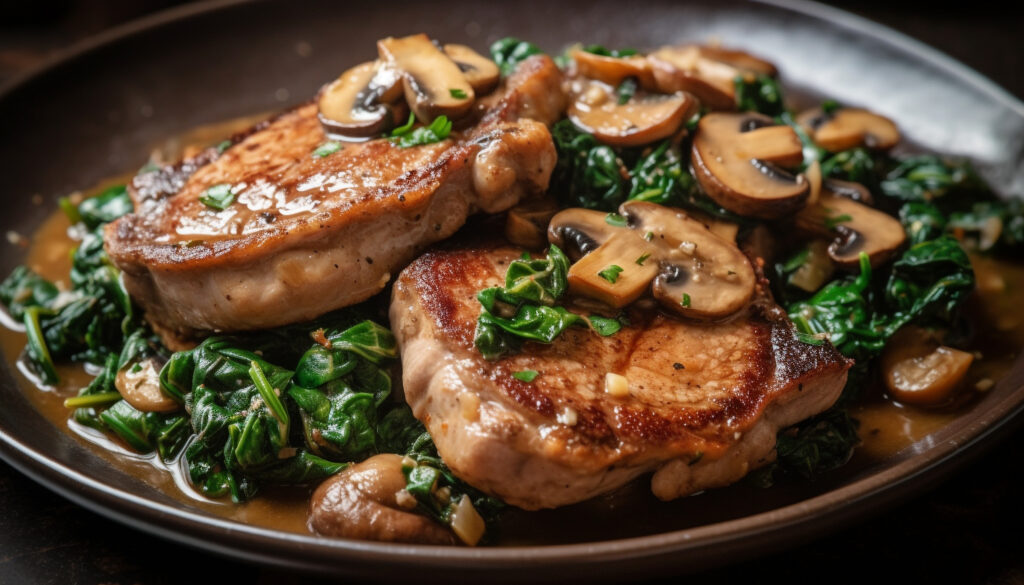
<point>96,112</point>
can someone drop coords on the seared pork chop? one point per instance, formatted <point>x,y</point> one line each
<point>307,234</point>
<point>705,400</point>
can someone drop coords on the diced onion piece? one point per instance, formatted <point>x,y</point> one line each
<point>467,523</point>
<point>616,385</point>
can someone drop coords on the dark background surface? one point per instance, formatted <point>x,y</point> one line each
<point>965,530</point>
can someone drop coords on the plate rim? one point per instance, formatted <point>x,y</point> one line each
<point>883,489</point>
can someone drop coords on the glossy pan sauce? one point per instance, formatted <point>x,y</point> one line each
<point>886,427</point>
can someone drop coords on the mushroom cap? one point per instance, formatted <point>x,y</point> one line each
<point>847,128</point>
<point>645,118</point>
<point>613,70</point>
<point>358,104</point>
<point>734,158</point>
<point>703,275</point>
<point>481,73</point>
<point>707,72</point>
<point>434,85</point>
<point>690,269</point>
<point>854,228</point>
<point>918,370</point>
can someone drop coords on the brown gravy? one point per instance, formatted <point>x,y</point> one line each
<point>886,427</point>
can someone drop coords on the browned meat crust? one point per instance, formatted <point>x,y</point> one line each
<point>711,394</point>
<point>309,234</point>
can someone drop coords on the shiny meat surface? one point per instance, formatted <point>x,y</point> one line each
<point>308,234</point>
<point>705,399</point>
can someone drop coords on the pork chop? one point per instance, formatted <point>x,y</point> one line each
<point>705,401</point>
<point>306,234</point>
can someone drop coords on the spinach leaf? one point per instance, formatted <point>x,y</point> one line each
<point>147,431</point>
<point>921,221</point>
<point>109,205</point>
<point>659,176</point>
<point>821,443</point>
<point>858,165</point>
<point>842,312</point>
<point>588,174</point>
<point>928,283</point>
<point>341,391</point>
<point>524,307</point>
<point>509,52</point>
<point>991,226</point>
<point>90,321</point>
<point>606,52</point>
<point>436,488</point>
<point>759,94</point>
<point>24,288</point>
<point>930,178</point>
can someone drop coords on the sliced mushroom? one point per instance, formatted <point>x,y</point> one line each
<point>434,85</point>
<point>849,190</point>
<point>707,72</point>
<point>847,128</point>
<point>918,370</point>
<point>645,118</point>
<point>365,502</point>
<point>480,72</point>
<point>526,224</point>
<point>735,158</point>
<point>689,269</point>
<point>854,227</point>
<point>726,230</point>
<point>139,385</point>
<point>361,103</point>
<point>613,70</point>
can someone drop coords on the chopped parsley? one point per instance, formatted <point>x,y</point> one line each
<point>643,258</point>
<point>604,326</point>
<point>611,274</point>
<point>457,93</point>
<point>222,146</point>
<point>327,148</point>
<point>526,375</point>
<point>626,90</point>
<point>614,219</point>
<point>218,197</point>
<point>407,137</point>
<point>686,300</point>
<point>832,222</point>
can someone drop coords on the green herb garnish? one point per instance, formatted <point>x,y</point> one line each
<point>218,197</point>
<point>407,137</point>
<point>643,258</point>
<point>832,222</point>
<point>457,93</point>
<point>611,273</point>
<point>686,300</point>
<point>327,148</point>
<point>604,326</point>
<point>509,52</point>
<point>526,375</point>
<point>626,90</point>
<point>615,220</point>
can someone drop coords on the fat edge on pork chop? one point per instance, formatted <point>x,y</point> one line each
<point>305,234</point>
<point>705,403</point>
